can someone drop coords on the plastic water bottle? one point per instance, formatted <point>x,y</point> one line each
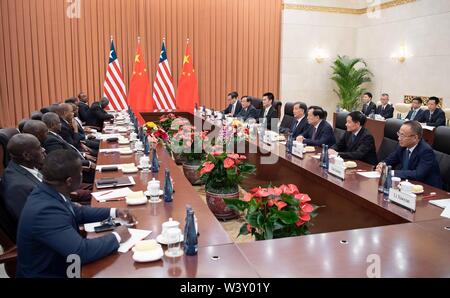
<point>168,188</point>
<point>289,143</point>
<point>324,157</point>
<point>383,177</point>
<point>388,182</point>
<point>146,146</point>
<point>191,240</point>
<point>155,162</point>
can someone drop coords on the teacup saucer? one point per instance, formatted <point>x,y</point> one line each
<point>163,240</point>
<point>151,256</point>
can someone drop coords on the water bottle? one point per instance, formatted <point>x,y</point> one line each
<point>146,146</point>
<point>191,240</point>
<point>188,207</point>
<point>399,116</point>
<point>155,162</point>
<point>388,182</point>
<point>325,158</point>
<point>289,143</point>
<point>168,188</point>
<point>383,176</point>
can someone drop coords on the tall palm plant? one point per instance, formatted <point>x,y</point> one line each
<point>349,78</point>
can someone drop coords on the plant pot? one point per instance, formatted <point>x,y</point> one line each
<point>190,170</point>
<point>218,207</point>
<point>179,159</point>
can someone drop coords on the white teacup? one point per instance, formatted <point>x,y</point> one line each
<point>166,226</point>
<point>406,186</point>
<point>144,162</point>
<point>139,146</point>
<point>153,188</point>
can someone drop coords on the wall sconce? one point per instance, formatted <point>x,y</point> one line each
<point>402,54</point>
<point>320,55</point>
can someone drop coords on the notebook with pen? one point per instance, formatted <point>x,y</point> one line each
<point>114,182</point>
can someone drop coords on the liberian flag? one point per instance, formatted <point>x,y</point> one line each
<point>163,91</point>
<point>114,86</point>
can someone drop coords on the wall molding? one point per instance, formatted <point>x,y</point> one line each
<point>345,10</point>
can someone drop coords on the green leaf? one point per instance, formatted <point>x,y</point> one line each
<point>268,232</point>
<point>253,206</point>
<point>288,217</point>
<point>260,219</point>
<point>243,230</point>
<point>252,219</point>
<point>236,204</point>
<point>290,200</point>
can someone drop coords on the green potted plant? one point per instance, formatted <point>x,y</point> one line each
<point>350,74</point>
<point>275,212</point>
<point>222,173</point>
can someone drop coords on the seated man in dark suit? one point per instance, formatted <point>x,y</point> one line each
<point>414,159</point>
<point>368,106</point>
<point>69,131</point>
<point>235,106</point>
<point>98,115</point>
<point>48,229</point>
<point>248,111</point>
<point>22,174</point>
<point>268,115</point>
<point>83,106</point>
<point>357,143</point>
<point>385,110</point>
<point>55,142</point>
<point>320,131</point>
<point>40,131</point>
<point>416,112</point>
<point>300,123</point>
<point>434,116</point>
<point>85,132</point>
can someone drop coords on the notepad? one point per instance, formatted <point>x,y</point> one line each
<point>443,203</point>
<point>136,236</point>
<point>103,196</point>
<point>114,182</point>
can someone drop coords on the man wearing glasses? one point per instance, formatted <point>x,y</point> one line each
<point>414,159</point>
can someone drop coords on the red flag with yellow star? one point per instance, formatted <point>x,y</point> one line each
<point>140,95</point>
<point>187,93</point>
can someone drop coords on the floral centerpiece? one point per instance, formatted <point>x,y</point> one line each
<point>275,212</point>
<point>222,173</point>
<point>165,121</point>
<point>156,132</point>
<point>188,142</point>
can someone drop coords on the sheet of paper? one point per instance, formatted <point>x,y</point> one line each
<point>442,203</point>
<point>104,136</point>
<point>109,150</point>
<point>120,166</point>
<point>446,212</point>
<point>373,174</point>
<point>136,236</point>
<point>111,194</point>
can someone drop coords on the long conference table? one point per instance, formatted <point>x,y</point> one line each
<point>354,228</point>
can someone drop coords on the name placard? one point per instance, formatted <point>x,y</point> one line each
<point>407,200</point>
<point>297,150</point>
<point>336,167</point>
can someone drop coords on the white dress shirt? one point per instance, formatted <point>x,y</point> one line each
<point>35,172</point>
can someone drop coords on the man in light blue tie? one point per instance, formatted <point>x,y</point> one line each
<point>416,112</point>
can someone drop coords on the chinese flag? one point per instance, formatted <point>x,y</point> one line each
<point>187,93</point>
<point>140,96</point>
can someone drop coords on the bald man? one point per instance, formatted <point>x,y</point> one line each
<point>22,174</point>
<point>36,128</point>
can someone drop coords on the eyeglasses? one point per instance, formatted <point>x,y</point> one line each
<point>402,136</point>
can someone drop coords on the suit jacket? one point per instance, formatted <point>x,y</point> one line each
<point>97,116</point>
<point>324,135</point>
<point>363,148</point>
<point>250,112</point>
<point>372,108</point>
<point>83,111</point>
<point>437,118</point>
<point>387,112</point>
<point>48,233</point>
<point>236,110</point>
<point>17,184</point>
<point>54,143</point>
<point>69,135</point>
<point>418,116</point>
<point>301,128</point>
<point>422,165</point>
<point>267,121</point>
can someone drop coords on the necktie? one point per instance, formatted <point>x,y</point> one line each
<point>314,133</point>
<point>39,175</point>
<point>431,114</point>
<point>233,107</point>
<point>294,127</point>
<point>406,160</point>
<point>413,114</point>
<point>72,146</point>
<point>353,138</point>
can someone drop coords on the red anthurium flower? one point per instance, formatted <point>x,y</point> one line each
<point>233,156</point>
<point>293,188</point>
<point>305,216</point>
<point>228,163</point>
<point>216,153</point>
<point>299,223</point>
<point>270,202</point>
<point>247,197</point>
<point>280,205</point>
<point>303,198</point>
<point>249,228</point>
<point>307,208</point>
<point>242,157</point>
<point>207,167</point>
<point>274,191</point>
